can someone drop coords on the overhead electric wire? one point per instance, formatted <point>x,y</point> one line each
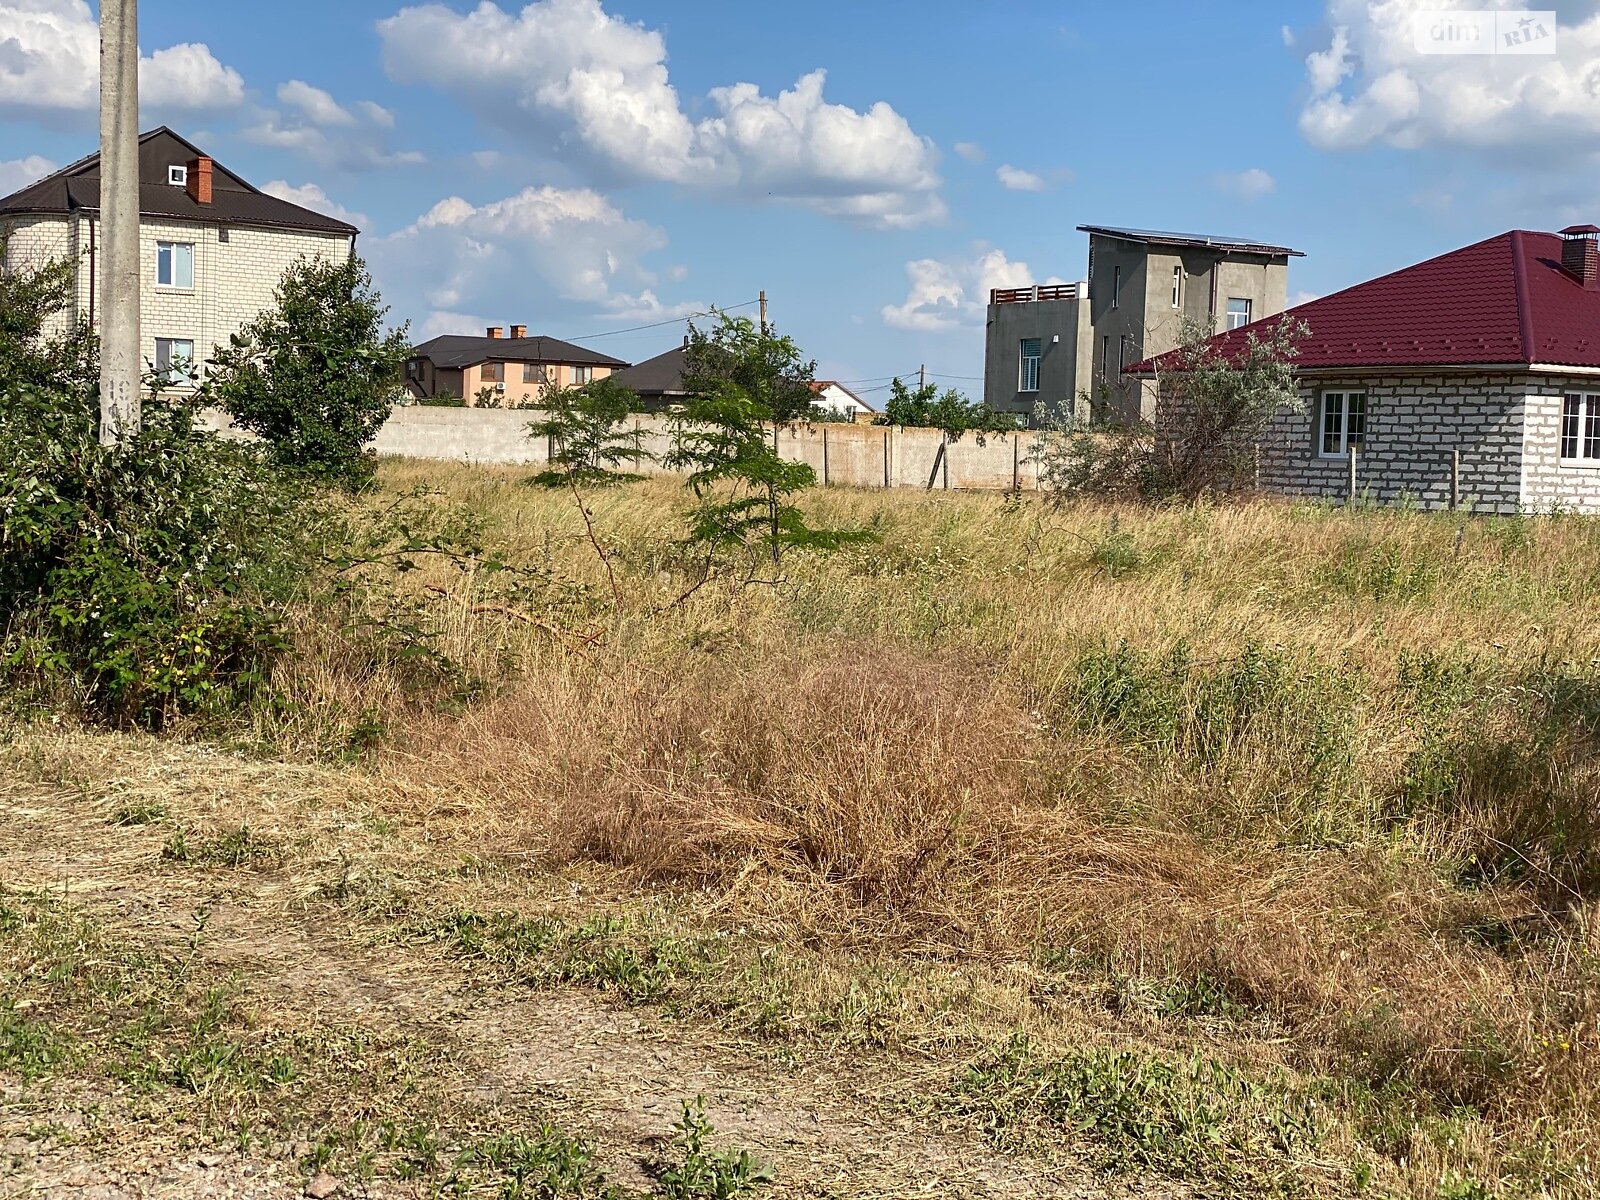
<point>658,324</point>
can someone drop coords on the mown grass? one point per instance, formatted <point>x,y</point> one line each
<point>1253,845</point>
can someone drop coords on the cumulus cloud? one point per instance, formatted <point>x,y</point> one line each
<point>568,72</point>
<point>542,250</point>
<point>332,135</point>
<point>1371,85</point>
<point>1017,180</point>
<point>1245,185</point>
<point>50,63</point>
<point>311,195</point>
<point>947,294</point>
<point>20,172</point>
<point>970,151</point>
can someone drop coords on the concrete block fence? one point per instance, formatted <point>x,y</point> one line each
<point>866,456</point>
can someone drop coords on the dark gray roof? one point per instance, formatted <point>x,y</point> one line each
<point>454,351</point>
<point>76,188</point>
<point>1162,237</point>
<point>658,376</point>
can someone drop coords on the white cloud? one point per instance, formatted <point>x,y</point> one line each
<point>20,172</point>
<point>1371,85</point>
<point>311,195</point>
<point>946,294</point>
<point>330,134</point>
<point>1246,185</point>
<point>566,72</point>
<point>1017,180</point>
<point>50,63</point>
<point>544,249</point>
<point>1286,34</point>
<point>970,151</point>
<point>1300,298</point>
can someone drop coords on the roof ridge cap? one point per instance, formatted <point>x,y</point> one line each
<point>1519,273</point>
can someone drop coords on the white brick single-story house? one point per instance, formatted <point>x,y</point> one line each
<point>212,247</point>
<point>1474,375</point>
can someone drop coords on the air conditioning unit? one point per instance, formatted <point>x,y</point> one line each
<point>499,387</point>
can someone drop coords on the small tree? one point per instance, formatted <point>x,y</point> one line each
<point>951,412</point>
<point>590,438</point>
<point>759,364</point>
<point>1216,405</point>
<point>721,439</point>
<point>316,375</point>
<point>33,297</point>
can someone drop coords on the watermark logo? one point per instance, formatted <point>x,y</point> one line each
<point>1472,31</point>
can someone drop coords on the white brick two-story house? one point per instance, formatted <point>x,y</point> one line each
<point>1471,378</point>
<point>212,247</point>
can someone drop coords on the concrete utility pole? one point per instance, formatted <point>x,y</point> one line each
<point>119,220</point>
<point>763,312</point>
<point>922,376</point>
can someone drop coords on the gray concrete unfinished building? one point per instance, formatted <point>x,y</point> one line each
<point>1056,344</point>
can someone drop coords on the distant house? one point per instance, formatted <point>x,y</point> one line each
<point>1487,357</point>
<point>1049,344</point>
<point>212,247</point>
<point>658,381</point>
<point>834,397</point>
<point>515,370</point>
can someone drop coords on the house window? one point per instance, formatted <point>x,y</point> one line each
<point>222,234</point>
<point>1091,262</point>
<point>1580,427</point>
<point>535,373</point>
<point>1028,374</point>
<point>178,176</point>
<point>1238,311</point>
<point>1105,356</point>
<point>493,372</point>
<point>1344,423</point>
<point>582,375</point>
<point>1122,354</point>
<point>175,264</point>
<point>174,360</point>
<point>1116,286</point>
<point>1177,287</point>
<point>414,368</point>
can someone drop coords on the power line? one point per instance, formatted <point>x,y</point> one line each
<point>658,324</point>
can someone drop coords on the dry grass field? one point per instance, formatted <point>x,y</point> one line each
<point>1025,851</point>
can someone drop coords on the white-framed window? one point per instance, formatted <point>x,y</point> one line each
<point>1177,287</point>
<point>174,360</point>
<point>1029,354</point>
<point>582,375</point>
<point>1342,423</point>
<point>1580,427</point>
<point>1239,311</point>
<point>178,176</point>
<point>1122,354</point>
<point>1116,286</point>
<point>175,264</point>
<point>1105,356</point>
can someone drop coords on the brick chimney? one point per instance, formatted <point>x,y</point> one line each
<point>494,331</point>
<point>519,331</point>
<point>1580,254</point>
<point>198,184</point>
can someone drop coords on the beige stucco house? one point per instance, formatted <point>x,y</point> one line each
<point>511,372</point>
<point>212,246</point>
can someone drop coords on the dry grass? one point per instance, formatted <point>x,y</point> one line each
<point>1292,788</point>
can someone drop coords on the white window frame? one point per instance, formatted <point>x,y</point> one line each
<point>1249,311</point>
<point>174,275</point>
<point>1177,287</point>
<point>175,376</point>
<point>1027,382</point>
<point>1342,397</point>
<point>581,376</point>
<point>1116,287</point>
<point>1579,429</point>
<point>178,176</point>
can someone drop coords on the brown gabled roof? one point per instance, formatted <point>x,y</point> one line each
<point>1504,301</point>
<point>234,201</point>
<point>453,351</point>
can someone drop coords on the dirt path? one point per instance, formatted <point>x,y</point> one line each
<point>616,1075</point>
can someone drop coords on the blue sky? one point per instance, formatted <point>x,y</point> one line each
<point>584,166</point>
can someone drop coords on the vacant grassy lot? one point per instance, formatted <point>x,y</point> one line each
<point>1218,851</point>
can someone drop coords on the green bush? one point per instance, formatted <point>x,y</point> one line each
<point>145,580</point>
